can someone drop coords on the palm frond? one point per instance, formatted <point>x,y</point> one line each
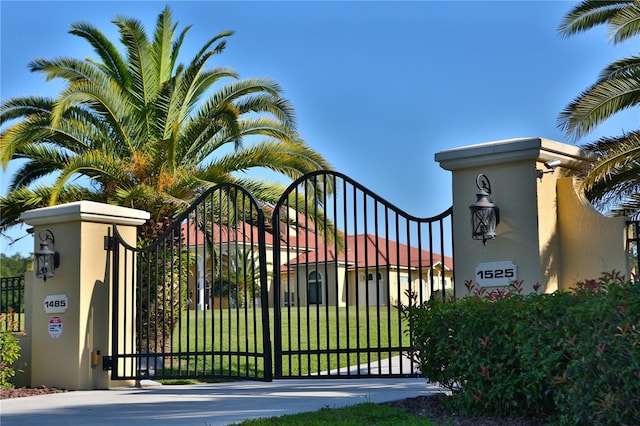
<point>631,205</point>
<point>42,160</point>
<point>589,14</point>
<point>19,107</point>
<point>162,45</point>
<point>622,68</point>
<point>113,64</point>
<point>70,69</point>
<point>22,199</point>
<point>598,103</point>
<point>265,103</point>
<point>614,175</point>
<point>626,23</point>
<point>290,159</point>
<point>113,107</point>
<point>141,65</point>
<point>93,164</point>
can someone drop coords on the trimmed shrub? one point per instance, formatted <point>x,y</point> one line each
<point>570,355</point>
<point>9,350</point>
<point>601,382</point>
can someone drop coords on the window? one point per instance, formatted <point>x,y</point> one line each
<point>289,298</point>
<point>314,287</point>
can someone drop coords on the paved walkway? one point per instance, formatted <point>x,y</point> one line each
<point>203,404</point>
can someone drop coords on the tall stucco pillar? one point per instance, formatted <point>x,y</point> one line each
<point>71,314</point>
<point>544,226</point>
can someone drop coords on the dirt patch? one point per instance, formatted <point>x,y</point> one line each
<point>22,392</point>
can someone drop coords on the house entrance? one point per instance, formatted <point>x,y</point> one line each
<point>373,290</point>
<point>311,286</point>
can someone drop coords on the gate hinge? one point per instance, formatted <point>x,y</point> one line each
<point>107,363</point>
<point>108,242</point>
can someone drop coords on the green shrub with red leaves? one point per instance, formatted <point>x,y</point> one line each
<point>573,357</point>
<point>9,348</point>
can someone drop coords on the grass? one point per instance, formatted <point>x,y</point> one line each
<point>228,342</point>
<point>356,415</point>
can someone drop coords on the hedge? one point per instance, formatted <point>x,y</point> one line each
<point>573,357</point>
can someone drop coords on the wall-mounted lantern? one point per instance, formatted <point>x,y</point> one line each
<point>46,258</point>
<point>485,215</point>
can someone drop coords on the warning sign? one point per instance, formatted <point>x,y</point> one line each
<point>55,327</point>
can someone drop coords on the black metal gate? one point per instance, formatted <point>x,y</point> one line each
<point>12,303</point>
<point>348,261</point>
<point>190,305</point>
<point>325,271</point>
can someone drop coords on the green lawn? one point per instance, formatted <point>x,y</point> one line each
<point>228,342</point>
<point>357,415</point>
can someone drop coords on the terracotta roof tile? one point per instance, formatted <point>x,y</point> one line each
<point>368,250</point>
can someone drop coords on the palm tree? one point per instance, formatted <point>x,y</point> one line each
<point>145,131</point>
<point>614,178</point>
<point>240,271</point>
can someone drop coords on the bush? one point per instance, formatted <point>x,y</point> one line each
<point>601,382</point>
<point>9,351</point>
<point>574,356</point>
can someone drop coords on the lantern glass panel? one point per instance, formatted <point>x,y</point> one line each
<point>45,258</point>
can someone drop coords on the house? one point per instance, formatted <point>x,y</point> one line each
<point>360,270</point>
<point>368,271</point>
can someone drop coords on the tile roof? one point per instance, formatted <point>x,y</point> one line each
<point>243,233</point>
<point>367,250</point>
<point>360,250</point>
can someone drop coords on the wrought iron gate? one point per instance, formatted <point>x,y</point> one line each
<point>349,260</point>
<point>188,305</point>
<point>325,271</point>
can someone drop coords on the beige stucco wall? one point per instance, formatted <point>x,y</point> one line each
<point>84,276</point>
<point>591,243</point>
<point>344,284</point>
<point>542,229</point>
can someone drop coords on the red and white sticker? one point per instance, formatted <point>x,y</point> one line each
<point>55,327</point>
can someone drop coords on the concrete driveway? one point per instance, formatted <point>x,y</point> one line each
<point>204,404</point>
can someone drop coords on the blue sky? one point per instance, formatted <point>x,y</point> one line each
<point>378,87</point>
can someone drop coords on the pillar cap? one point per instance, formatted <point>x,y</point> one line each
<point>85,211</point>
<point>510,150</point>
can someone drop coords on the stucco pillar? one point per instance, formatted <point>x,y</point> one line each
<point>71,311</point>
<point>545,246</point>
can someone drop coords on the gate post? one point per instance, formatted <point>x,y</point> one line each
<point>550,234</point>
<point>70,326</point>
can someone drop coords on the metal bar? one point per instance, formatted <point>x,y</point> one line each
<point>377,281</point>
<point>326,275</point>
<point>388,283</point>
<point>264,291</point>
<point>366,286</point>
<point>443,269</point>
<point>347,283</point>
<point>336,250</point>
<point>357,289</point>
<point>115,298</point>
<point>399,275</point>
